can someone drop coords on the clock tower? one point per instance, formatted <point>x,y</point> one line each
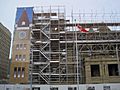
<point>19,71</point>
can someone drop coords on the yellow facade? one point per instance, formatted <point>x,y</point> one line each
<point>104,72</point>
<point>20,57</point>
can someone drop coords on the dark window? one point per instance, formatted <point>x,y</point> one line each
<point>36,88</point>
<point>106,87</point>
<point>23,71</point>
<point>113,69</point>
<point>19,71</point>
<point>8,88</point>
<point>95,70</point>
<point>54,88</point>
<point>75,88</point>
<point>72,88</point>
<point>91,88</point>
<point>15,72</point>
<point>15,69</point>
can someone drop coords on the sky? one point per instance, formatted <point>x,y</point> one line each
<point>8,7</point>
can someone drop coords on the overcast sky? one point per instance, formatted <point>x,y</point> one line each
<point>8,7</point>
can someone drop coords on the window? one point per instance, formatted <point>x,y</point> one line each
<point>25,46</point>
<point>72,88</point>
<point>19,72</point>
<point>15,72</point>
<point>95,70</point>
<point>23,72</point>
<point>24,57</point>
<point>17,46</point>
<point>20,57</point>
<point>23,22</point>
<point>21,46</point>
<point>113,69</point>
<point>106,88</point>
<point>36,88</point>
<point>54,88</point>
<point>8,88</point>
<point>16,57</point>
<point>91,88</point>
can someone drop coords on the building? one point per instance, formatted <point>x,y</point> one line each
<point>110,86</point>
<point>19,72</point>
<point>50,48</point>
<point>5,41</point>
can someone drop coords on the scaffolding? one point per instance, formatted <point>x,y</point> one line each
<point>60,50</point>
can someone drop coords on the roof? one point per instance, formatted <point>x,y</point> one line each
<point>29,12</point>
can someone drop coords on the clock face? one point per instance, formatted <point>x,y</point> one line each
<point>22,35</point>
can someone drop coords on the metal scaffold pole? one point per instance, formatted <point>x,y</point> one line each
<point>118,59</point>
<point>77,56</point>
<point>31,70</point>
